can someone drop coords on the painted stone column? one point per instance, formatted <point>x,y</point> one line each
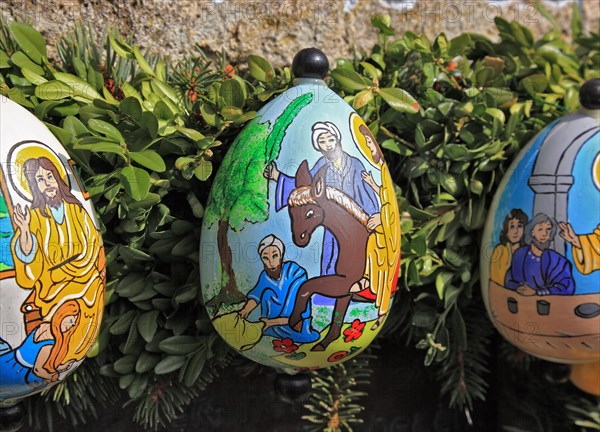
<point>552,176</point>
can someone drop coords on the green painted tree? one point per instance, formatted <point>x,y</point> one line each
<point>239,193</point>
<point>3,206</point>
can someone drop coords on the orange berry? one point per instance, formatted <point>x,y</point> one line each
<point>229,71</point>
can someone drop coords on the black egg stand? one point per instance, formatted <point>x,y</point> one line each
<point>293,389</point>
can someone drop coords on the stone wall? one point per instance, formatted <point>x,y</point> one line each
<point>276,29</point>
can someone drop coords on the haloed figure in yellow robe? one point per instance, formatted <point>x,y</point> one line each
<point>586,247</point>
<point>383,245</point>
<point>58,254</point>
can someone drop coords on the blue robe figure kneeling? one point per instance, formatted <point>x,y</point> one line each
<point>276,291</point>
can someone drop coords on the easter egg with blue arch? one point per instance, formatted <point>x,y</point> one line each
<point>540,254</point>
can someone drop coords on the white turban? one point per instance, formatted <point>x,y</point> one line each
<point>320,128</point>
<point>271,240</point>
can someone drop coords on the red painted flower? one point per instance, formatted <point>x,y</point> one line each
<point>286,345</point>
<point>354,332</point>
<point>337,356</point>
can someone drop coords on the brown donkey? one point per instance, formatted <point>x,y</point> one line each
<point>314,204</point>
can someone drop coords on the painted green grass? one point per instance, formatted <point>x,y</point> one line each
<point>321,315</point>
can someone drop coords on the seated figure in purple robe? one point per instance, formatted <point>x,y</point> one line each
<point>535,268</point>
<point>275,294</point>
<point>344,172</point>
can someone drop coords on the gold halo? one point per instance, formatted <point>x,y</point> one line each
<point>23,151</point>
<point>361,142</point>
<point>596,171</point>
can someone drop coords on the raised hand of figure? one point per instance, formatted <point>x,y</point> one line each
<point>526,290</point>
<point>567,233</point>
<point>271,172</point>
<point>368,178</point>
<point>22,218</point>
<point>374,221</point>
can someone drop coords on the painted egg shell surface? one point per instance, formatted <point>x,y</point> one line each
<point>52,266</point>
<point>300,245</point>
<point>540,260</point>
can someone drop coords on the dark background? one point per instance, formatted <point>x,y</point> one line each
<point>404,396</point>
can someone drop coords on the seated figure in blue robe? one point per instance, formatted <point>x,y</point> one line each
<point>275,293</point>
<point>535,268</point>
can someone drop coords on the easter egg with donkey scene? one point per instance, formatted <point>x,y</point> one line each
<point>300,246</point>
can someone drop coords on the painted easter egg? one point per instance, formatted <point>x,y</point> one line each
<point>52,265</point>
<point>540,257</point>
<point>300,243</point>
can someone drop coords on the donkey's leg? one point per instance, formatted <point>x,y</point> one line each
<point>302,298</point>
<point>333,286</point>
<point>339,312</point>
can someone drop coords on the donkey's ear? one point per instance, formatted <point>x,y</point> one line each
<point>303,177</point>
<point>319,188</point>
<point>319,182</point>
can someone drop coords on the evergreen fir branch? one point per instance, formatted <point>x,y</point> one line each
<point>167,398</point>
<point>85,54</point>
<point>193,75</point>
<point>463,372</point>
<point>516,357</point>
<point>538,405</point>
<point>8,44</point>
<point>125,69</point>
<point>81,45</point>
<point>78,398</point>
<point>334,402</point>
<point>585,413</point>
